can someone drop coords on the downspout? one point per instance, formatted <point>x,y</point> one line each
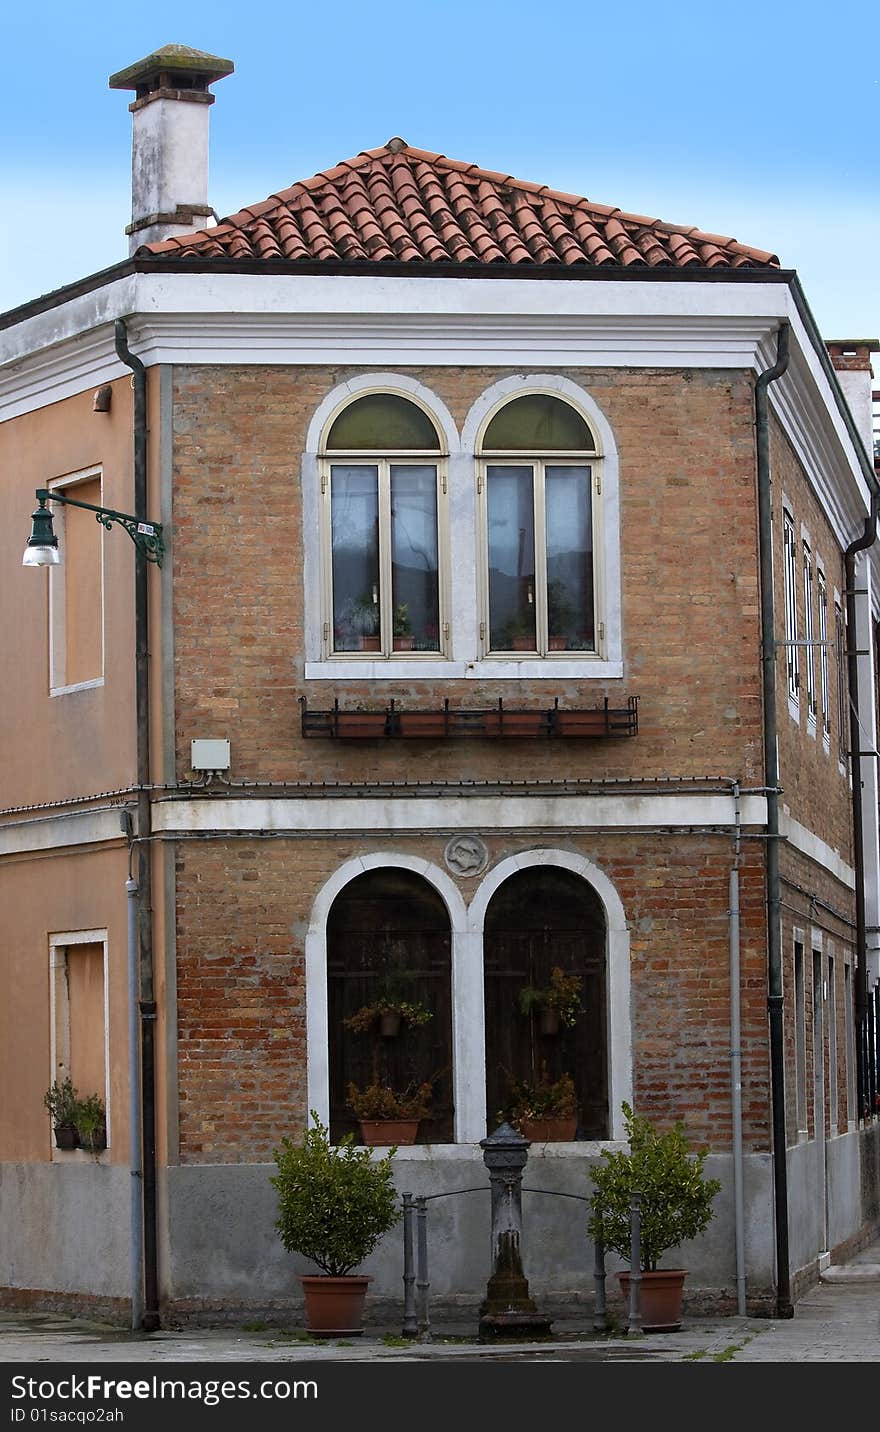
<point>784,1305</point>
<point>864,1080</point>
<point>736,1061</point>
<point>147,1005</point>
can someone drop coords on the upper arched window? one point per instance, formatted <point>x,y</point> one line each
<point>539,482</point>
<point>382,484</point>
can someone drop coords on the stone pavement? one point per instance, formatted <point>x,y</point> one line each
<point>838,1320</point>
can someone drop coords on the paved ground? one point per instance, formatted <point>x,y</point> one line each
<point>837,1321</point>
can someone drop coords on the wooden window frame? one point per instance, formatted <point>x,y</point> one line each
<point>809,631</point>
<point>58,577</point>
<point>59,1038</point>
<point>789,581</point>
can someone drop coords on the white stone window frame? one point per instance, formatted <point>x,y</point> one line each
<point>790,587</point>
<point>59,1038</point>
<point>463,655</point>
<point>58,684</point>
<point>808,575</point>
<point>840,643</point>
<point>468,1011</point>
<point>799,1042</point>
<point>824,669</point>
<point>383,460</point>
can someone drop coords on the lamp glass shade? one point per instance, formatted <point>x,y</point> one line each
<point>41,556</point>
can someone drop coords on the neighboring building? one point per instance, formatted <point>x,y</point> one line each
<point>443,455</point>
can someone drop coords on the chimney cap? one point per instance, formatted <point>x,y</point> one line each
<point>181,63</point>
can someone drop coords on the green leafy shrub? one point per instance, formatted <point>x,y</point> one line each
<point>562,994</point>
<point>364,1018</point>
<point>334,1202</point>
<point>91,1123</point>
<point>676,1196</point>
<point>61,1101</point>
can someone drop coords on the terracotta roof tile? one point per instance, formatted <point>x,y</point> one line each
<point>416,207</point>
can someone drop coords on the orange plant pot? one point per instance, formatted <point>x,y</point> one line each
<point>660,1299</point>
<point>334,1306</point>
<point>388,1131</point>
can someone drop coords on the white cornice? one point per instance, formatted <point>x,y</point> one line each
<point>383,321</point>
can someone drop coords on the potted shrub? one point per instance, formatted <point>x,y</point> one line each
<point>676,1204</point>
<point>387,1013</point>
<point>61,1101</point>
<point>544,1111</point>
<point>91,1123</point>
<point>334,1205</point>
<point>388,1117</point>
<point>557,1003</point>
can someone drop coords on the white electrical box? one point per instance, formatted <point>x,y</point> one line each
<point>209,755</point>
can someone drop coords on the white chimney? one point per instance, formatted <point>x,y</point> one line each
<point>851,358</point>
<point>169,140</point>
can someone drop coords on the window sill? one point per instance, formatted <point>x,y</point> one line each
<point>491,669</point>
<point>77,686</point>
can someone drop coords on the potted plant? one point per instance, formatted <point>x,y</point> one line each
<point>388,1117</point>
<point>388,1013</point>
<point>544,1111</point>
<point>61,1101</point>
<point>676,1204</point>
<point>557,1003</point>
<point>402,630</point>
<point>560,615</point>
<point>519,635</point>
<point>334,1205</point>
<point>91,1123</point>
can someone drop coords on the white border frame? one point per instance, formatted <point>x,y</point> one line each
<point>57,961</point>
<point>58,590</point>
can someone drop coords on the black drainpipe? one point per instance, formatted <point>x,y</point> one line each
<point>784,1306</point>
<point>864,1031</point>
<point>144,830</point>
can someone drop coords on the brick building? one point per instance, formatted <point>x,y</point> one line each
<point>516,610</point>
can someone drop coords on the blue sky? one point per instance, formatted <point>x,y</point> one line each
<point>760,123</point>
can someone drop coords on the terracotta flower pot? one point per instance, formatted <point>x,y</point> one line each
<point>660,1298</point>
<point>404,643</point>
<point>548,1021</point>
<point>334,1306</point>
<point>553,1130</point>
<point>388,1131</point>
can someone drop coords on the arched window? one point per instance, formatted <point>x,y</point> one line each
<point>388,938</point>
<point>540,920</point>
<point>383,485</point>
<point>540,488</point>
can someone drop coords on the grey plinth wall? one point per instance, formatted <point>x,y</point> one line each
<point>64,1227</point>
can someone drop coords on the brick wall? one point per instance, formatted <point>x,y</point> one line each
<point>689,572</point>
<point>243,909</point>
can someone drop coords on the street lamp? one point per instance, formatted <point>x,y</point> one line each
<point>42,545</point>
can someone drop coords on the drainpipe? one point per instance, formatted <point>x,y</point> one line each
<point>864,1072</point>
<point>147,1004</point>
<point>736,1062</point>
<point>784,1306</point>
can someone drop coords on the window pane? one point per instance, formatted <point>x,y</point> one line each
<point>570,617</point>
<point>354,509</point>
<point>414,564</point>
<point>382,422</point>
<point>511,519</point>
<point>537,422</point>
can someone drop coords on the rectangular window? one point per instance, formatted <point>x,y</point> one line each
<point>385,558</point>
<point>818,1049</point>
<point>539,526</point>
<point>79,1014</point>
<point>800,1039</point>
<point>823,651</point>
<point>791,621</point>
<point>76,600</point>
<point>808,632</point>
<point>842,706</point>
<point>832,1046</point>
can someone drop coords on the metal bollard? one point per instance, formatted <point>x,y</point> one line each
<point>635,1265</point>
<point>600,1316</point>
<point>410,1325</point>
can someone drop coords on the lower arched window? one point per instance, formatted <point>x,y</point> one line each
<point>388,943</point>
<point>542,921</point>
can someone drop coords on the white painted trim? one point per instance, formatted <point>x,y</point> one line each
<point>490,668</point>
<point>466,1083</point>
<point>510,812</point>
<point>619,1025</point>
<point>62,941</point>
<point>76,686</point>
<point>817,849</point>
<point>53,832</point>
